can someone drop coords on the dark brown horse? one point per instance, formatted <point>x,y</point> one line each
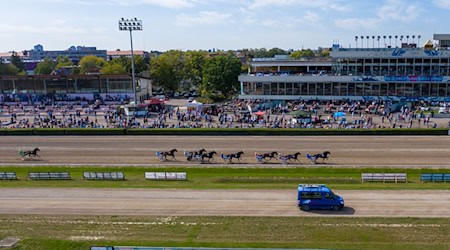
<point>267,156</point>
<point>323,155</point>
<point>29,153</point>
<point>209,155</point>
<point>229,157</point>
<point>169,153</point>
<point>293,157</point>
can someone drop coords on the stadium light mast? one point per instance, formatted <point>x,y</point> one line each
<point>131,25</point>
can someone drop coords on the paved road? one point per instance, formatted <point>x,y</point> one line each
<point>217,202</point>
<point>418,151</point>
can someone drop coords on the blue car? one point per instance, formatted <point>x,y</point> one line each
<point>318,197</point>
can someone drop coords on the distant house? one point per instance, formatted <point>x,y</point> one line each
<point>127,53</point>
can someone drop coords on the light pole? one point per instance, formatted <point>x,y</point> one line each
<point>131,25</point>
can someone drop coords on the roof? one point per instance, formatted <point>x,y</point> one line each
<point>126,52</point>
<point>428,43</point>
<point>441,36</point>
<point>316,187</point>
<point>9,54</point>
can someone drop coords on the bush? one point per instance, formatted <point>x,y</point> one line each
<point>95,131</point>
<point>16,131</point>
<point>49,131</point>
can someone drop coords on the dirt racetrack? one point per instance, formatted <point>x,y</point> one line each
<point>415,151</point>
<point>357,151</point>
<point>217,202</point>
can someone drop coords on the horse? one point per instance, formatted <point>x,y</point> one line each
<point>29,153</point>
<point>323,155</point>
<point>285,158</point>
<point>169,153</point>
<point>209,155</point>
<point>229,157</point>
<point>293,157</point>
<point>266,156</point>
<point>194,155</point>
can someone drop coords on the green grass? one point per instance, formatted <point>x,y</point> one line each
<point>80,232</point>
<point>226,178</point>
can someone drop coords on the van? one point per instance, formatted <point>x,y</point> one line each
<point>318,197</point>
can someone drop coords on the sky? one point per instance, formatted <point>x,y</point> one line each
<point>219,24</point>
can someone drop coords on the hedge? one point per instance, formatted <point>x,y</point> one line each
<point>225,131</point>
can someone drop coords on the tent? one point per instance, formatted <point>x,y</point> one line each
<point>194,105</point>
<point>339,114</point>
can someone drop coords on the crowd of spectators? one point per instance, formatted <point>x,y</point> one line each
<point>53,113</point>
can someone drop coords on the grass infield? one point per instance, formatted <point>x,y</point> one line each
<point>81,232</point>
<point>227,178</point>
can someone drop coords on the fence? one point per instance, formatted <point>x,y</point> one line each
<point>104,175</point>
<point>171,176</point>
<point>49,175</point>
<point>384,177</point>
<point>8,176</point>
<point>435,177</point>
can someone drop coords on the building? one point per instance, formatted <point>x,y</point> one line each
<point>127,53</point>
<point>74,53</point>
<point>83,86</point>
<point>354,73</point>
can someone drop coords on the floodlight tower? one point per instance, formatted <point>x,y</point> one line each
<point>131,25</point>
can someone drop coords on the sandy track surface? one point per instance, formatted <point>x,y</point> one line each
<point>217,202</point>
<point>419,151</point>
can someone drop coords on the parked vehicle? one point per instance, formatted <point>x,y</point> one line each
<point>318,197</point>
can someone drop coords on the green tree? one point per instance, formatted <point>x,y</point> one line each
<point>166,70</point>
<point>16,61</point>
<point>63,61</point>
<point>140,64</point>
<point>45,67</point>
<point>113,67</point>
<point>193,68</point>
<point>302,53</point>
<point>8,69</point>
<point>220,75</point>
<point>91,64</point>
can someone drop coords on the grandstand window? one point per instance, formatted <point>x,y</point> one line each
<point>383,89</point>
<point>296,88</point>
<point>351,89</point>
<point>289,88</point>
<point>274,88</point>
<point>312,89</point>
<point>327,88</point>
<point>319,88</point>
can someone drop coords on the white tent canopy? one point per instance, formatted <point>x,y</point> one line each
<point>194,105</point>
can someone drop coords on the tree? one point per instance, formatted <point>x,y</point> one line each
<point>45,67</point>
<point>63,61</point>
<point>8,69</point>
<point>16,61</point>
<point>166,70</point>
<point>91,64</point>
<point>140,64</point>
<point>220,75</point>
<point>302,53</point>
<point>113,67</point>
<point>193,68</point>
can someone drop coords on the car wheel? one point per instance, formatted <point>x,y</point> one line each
<point>336,208</point>
<point>305,207</point>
